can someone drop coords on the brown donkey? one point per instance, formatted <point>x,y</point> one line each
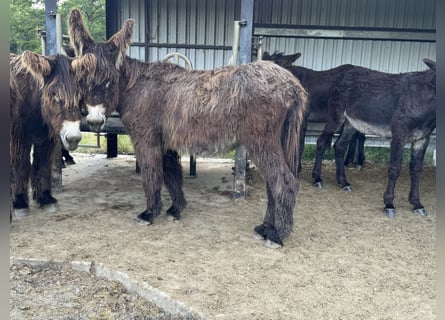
<point>45,111</point>
<point>166,108</point>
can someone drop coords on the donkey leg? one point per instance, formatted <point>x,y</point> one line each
<point>43,160</point>
<point>322,143</point>
<point>395,163</point>
<point>282,189</point>
<point>173,180</point>
<point>418,150</point>
<point>361,138</point>
<point>20,173</point>
<point>266,230</point>
<point>340,146</point>
<point>350,155</point>
<point>150,162</point>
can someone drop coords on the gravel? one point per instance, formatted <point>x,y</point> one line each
<point>57,291</point>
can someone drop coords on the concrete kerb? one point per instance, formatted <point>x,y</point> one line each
<point>149,293</point>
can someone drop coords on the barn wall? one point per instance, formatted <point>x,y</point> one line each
<point>361,17</point>
<point>200,29</point>
<point>203,30</point>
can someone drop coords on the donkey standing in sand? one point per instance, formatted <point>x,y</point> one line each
<point>397,106</point>
<point>45,112</point>
<point>166,108</point>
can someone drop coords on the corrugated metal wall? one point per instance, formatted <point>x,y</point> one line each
<point>322,53</point>
<point>203,30</point>
<point>200,29</point>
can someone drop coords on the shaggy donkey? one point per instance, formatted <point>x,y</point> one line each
<point>165,108</point>
<point>45,112</point>
<point>397,106</point>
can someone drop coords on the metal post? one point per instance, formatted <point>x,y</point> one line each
<point>59,36</point>
<point>245,56</point>
<point>51,49</point>
<point>235,46</point>
<point>50,24</point>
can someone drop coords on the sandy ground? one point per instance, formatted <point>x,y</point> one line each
<point>345,259</point>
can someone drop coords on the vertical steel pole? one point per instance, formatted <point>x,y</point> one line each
<point>245,56</point>
<point>51,28</point>
<point>59,36</point>
<point>51,49</point>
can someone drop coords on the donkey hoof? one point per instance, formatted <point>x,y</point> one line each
<point>21,213</point>
<point>258,236</point>
<point>358,167</point>
<point>318,184</point>
<point>50,207</point>
<point>173,214</point>
<point>390,212</point>
<point>144,218</point>
<point>347,188</point>
<point>420,212</point>
<point>272,245</point>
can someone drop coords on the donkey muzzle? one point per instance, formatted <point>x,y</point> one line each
<point>71,135</point>
<point>96,117</point>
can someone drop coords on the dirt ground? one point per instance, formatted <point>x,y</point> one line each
<point>345,259</point>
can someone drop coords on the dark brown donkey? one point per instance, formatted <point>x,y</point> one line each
<point>318,84</point>
<point>397,106</point>
<point>166,107</point>
<point>45,111</point>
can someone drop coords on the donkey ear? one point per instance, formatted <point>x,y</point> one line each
<point>286,61</point>
<point>120,41</point>
<point>85,65</point>
<point>37,65</point>
<point>430,63</point>
<point>80,37</point>
<point>266,55</point>
<point>295,56</point>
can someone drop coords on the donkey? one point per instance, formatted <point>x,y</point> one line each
<point>166,108</point>
<point>318,85</point>
<point>45,112</point>
<point>397,106</point>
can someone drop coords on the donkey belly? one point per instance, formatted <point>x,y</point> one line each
<point>204,138</point>
<point>383,129</point>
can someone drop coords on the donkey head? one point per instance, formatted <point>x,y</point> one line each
<point>280,59</point>
<point>100,84</point>
<point>60,94</point>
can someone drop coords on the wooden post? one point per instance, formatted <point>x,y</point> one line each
<point>245,56</point>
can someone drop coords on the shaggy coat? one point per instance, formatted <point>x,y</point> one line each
<point>401,107</point>
<point>167,108</point>
<point>44,110</point>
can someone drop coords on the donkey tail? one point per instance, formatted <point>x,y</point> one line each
<point>290,134</point>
